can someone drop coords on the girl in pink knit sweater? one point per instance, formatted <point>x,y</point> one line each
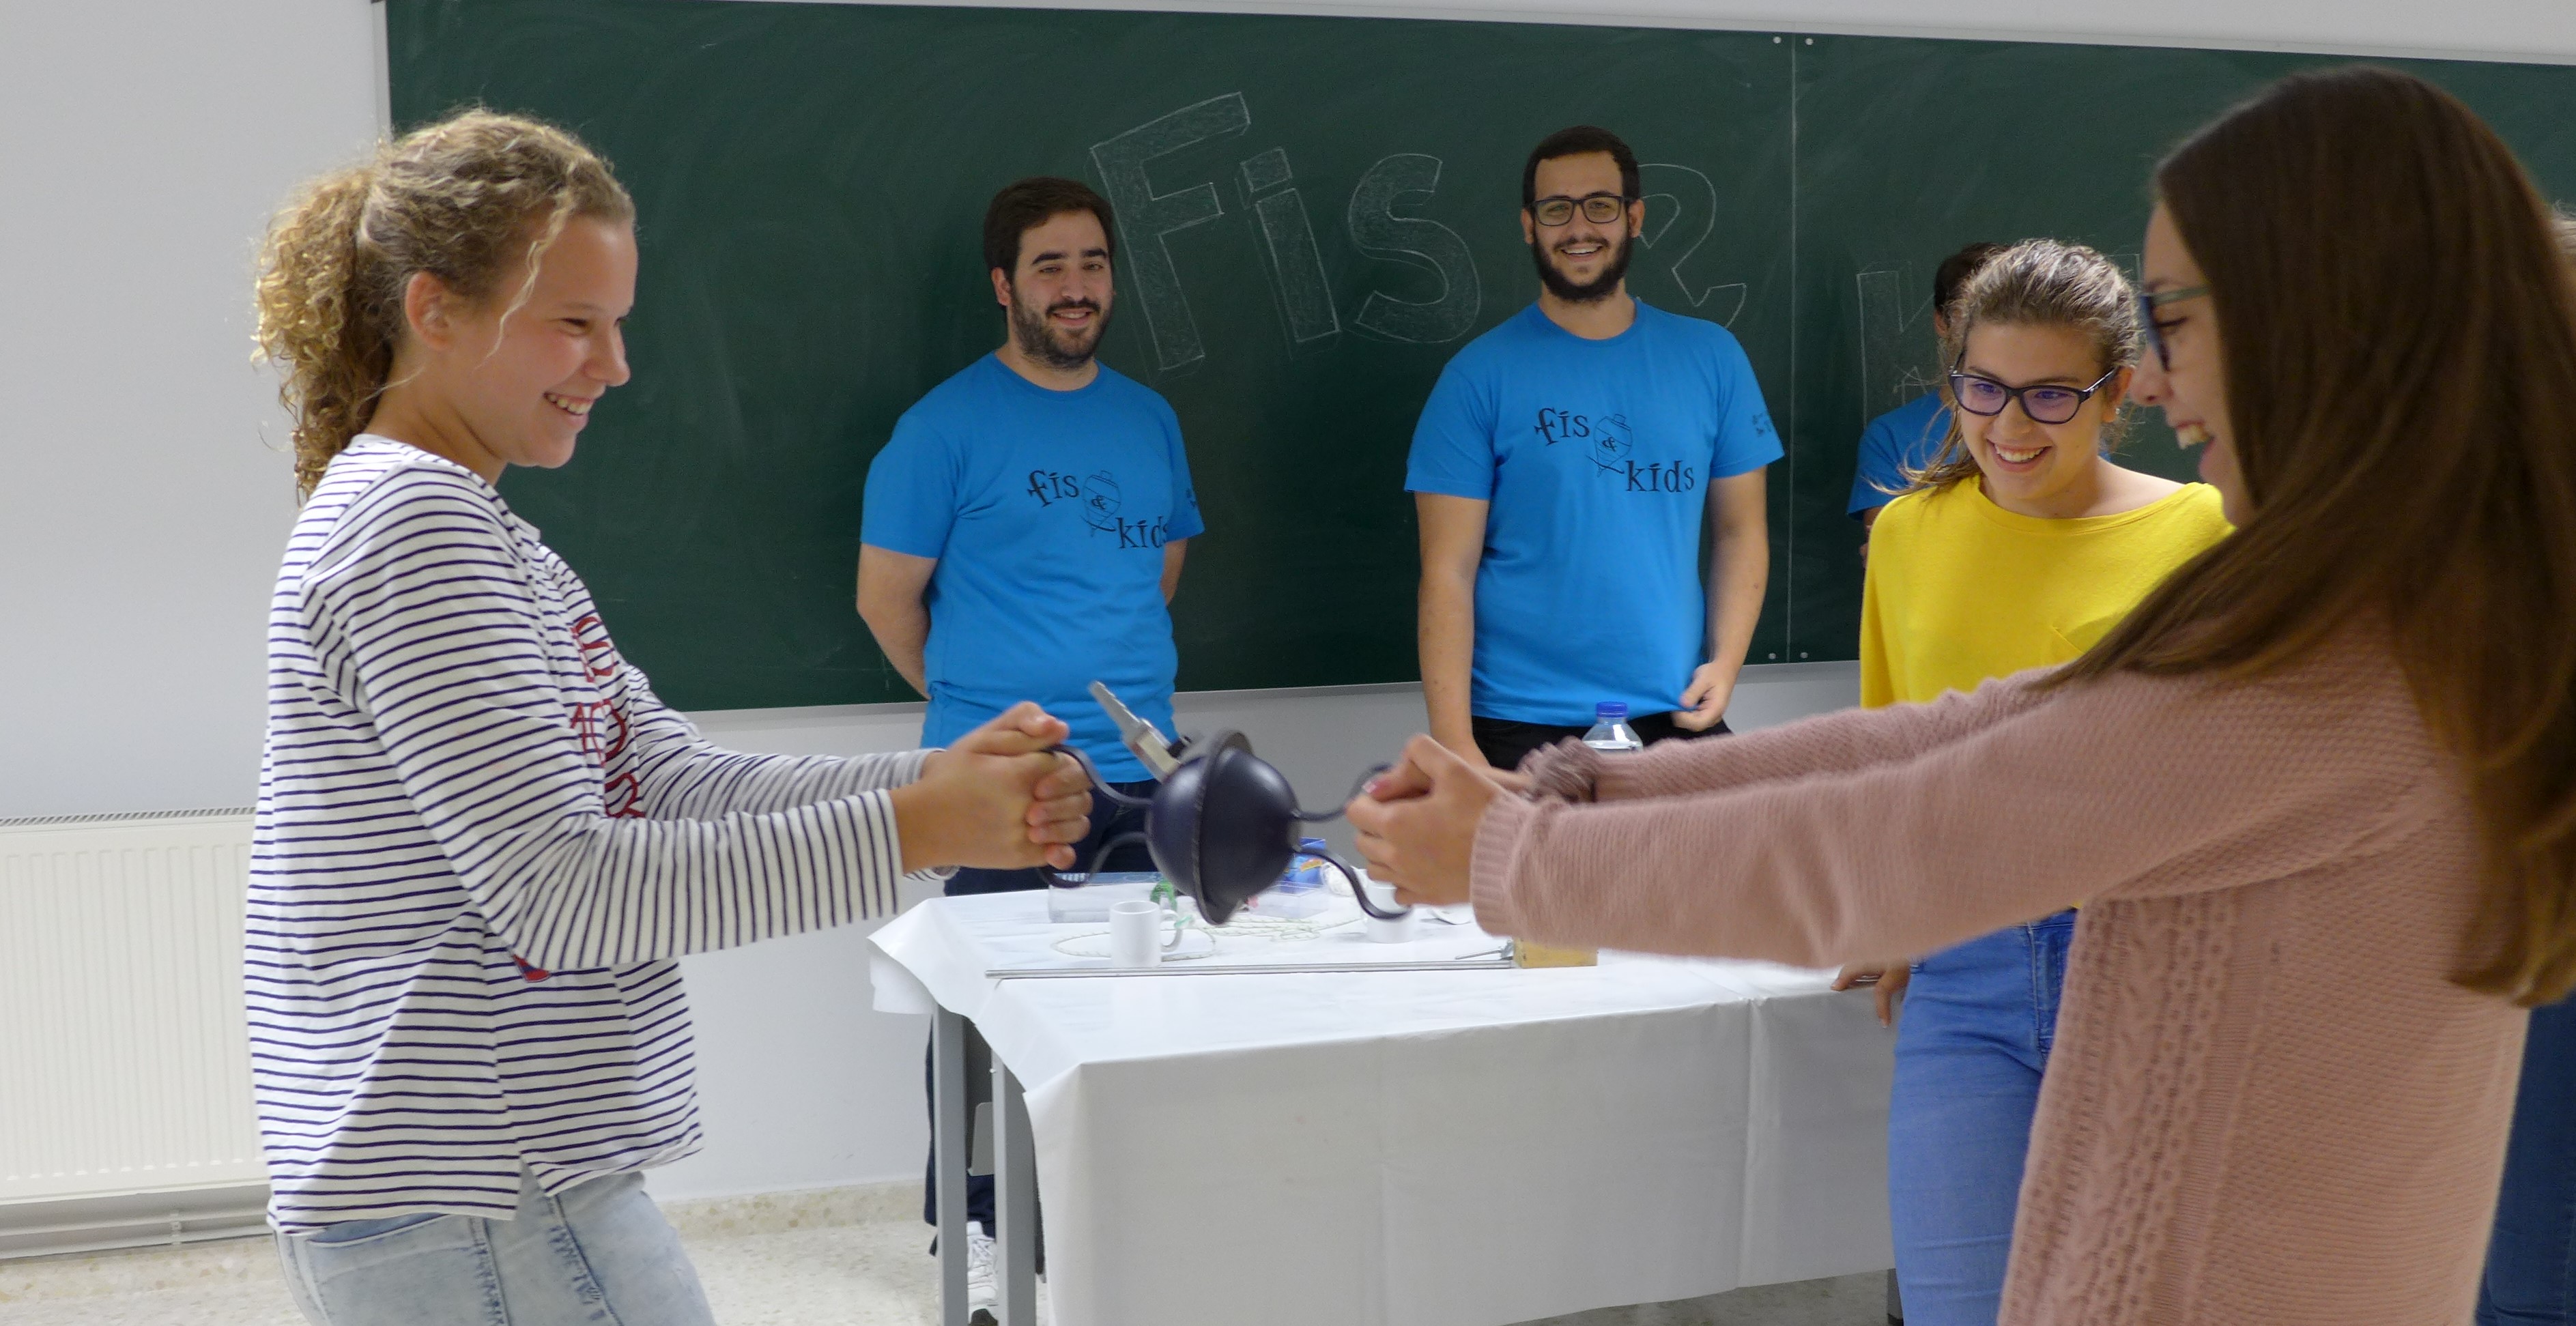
<point>2317,793</point>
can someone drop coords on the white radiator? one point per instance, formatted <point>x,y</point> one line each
<point>125,1096</point>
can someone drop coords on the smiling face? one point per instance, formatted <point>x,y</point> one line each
<point>515,386</point>
<point>2189,382</point>
<point>1059,296</point>
<point>1582,260</point>
<point>2038,469</point>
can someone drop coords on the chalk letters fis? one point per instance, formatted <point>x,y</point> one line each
<point>1385,220</point>
<point>1382,217</point>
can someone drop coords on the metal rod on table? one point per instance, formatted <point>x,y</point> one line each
<point>1015,1202</point>
<point>951,1148</point>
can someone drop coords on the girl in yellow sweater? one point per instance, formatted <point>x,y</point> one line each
<point>2018,547</point>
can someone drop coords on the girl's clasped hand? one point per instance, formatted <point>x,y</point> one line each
<point>1417,821</point>
<point>1004,797</point>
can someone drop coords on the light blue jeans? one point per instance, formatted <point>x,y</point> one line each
<point>1973,1040</point>
<point>598,1252</point>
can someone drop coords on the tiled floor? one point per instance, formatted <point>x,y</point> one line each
<point>846,1258</point>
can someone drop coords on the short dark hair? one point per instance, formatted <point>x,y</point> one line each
<point>1575,142</point>
<point>1027,204</point>
<point>1954,272</point>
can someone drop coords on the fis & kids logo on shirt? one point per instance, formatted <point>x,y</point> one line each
<point>1099,500</point>
<point>1611,445</point>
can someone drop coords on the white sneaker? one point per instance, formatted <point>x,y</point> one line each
<point>981,1297</point>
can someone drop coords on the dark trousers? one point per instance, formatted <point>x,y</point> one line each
<point>2531,1262</point>
<point>1506,743</point>
<point>1108,820</point>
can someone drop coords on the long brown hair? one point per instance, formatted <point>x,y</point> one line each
<point>2400,350</point>
<point>462,199</point>
<point>2036,283</point>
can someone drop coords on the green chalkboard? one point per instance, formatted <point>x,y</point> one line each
<point>1315,213</point>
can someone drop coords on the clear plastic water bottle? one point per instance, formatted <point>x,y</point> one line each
<point>1302,891</point>
<point>1610,730</point>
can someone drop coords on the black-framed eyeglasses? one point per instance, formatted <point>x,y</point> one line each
<point>1598,208</point>
<point>2148,303</point>
<point>2046,403</point>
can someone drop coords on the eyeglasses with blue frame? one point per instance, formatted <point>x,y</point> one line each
<point>2045,402</point>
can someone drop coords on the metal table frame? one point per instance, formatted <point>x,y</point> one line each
<point>1015,1180</point>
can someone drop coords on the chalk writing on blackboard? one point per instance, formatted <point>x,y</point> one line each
<point>1145,217</point>
<point>1680,201</point>
<point>1382,216</point>
<point>1294,261</point>
<point>1381,232</point>
<point>1892,370</point>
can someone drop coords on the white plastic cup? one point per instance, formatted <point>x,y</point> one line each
<point>1381,930</point>
<point>1135,933</point>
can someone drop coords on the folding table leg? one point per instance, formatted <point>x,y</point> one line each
<point>948,1101</point>
<point>1015,1202</point>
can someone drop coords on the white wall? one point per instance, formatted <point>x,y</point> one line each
<point>142,147</point>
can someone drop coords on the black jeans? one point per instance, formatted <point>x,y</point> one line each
<point>1108,820</point>
<point>1506,743</point>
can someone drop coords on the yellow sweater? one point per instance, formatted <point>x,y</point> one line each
<point>1960,590</point>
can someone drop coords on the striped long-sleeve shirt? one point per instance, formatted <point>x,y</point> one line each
<point>481,845</point>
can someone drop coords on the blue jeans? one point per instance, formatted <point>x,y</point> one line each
<point>1970,1048</point>
<point>2531,1264</point>
<point>598,1252</point>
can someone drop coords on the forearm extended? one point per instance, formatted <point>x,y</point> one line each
<point>2213,785</point>
<point>1839,742</point>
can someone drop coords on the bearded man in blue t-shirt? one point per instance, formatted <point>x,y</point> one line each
<point>1561,469</point>
<point>1023,533</point>
<point>1024,527</point>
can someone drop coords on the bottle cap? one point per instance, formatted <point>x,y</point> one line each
<point>1610,711</point>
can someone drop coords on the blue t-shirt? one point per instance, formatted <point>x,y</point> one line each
<point>1905,438</point>
<point>1048,512</point>
<point>1596,457</point>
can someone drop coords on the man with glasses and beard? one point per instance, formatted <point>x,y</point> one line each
<point>1560,470</point>
<point>1024,529</point>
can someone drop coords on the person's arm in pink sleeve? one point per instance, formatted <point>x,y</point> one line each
<point>1839,742</point>
<point>2127,787</point>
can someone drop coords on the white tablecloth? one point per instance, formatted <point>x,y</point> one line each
<point>1465,1148</point>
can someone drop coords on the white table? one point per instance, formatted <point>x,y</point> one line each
<point>1453,1148</point>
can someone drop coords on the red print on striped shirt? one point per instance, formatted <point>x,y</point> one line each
<point>600,725</point>
<point>598,652</point>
